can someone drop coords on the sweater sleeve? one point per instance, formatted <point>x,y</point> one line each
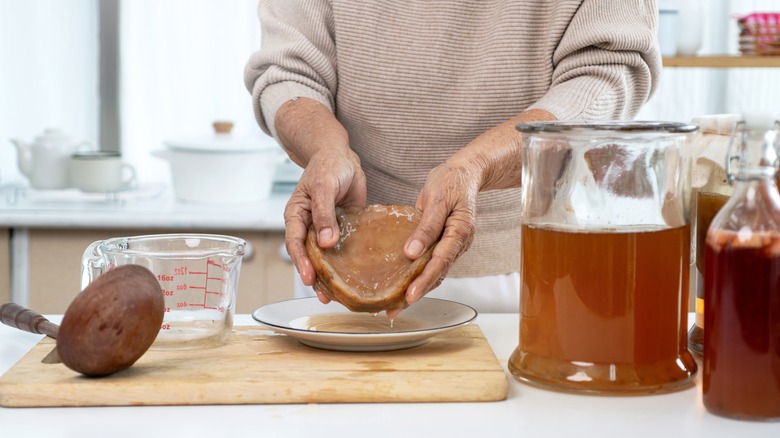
<point>607,63</point>
<point>296,59</point>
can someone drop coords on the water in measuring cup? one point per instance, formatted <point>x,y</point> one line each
<point>199,296</point>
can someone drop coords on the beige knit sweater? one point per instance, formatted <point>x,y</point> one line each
<point>413,81</point>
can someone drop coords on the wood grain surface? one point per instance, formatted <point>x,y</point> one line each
<point>257,366</point>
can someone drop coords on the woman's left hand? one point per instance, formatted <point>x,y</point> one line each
<point>448,201</point>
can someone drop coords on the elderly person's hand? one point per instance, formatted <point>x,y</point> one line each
<point>448,199</point>
<point>332,177</point>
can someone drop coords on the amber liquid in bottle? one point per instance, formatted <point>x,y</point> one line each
<point>741,376</point>
<point>707,206</point>
<point>604,311</point>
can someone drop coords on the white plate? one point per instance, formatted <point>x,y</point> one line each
<point>337,328</point>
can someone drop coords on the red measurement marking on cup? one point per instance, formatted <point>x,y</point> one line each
<point>209,277</point>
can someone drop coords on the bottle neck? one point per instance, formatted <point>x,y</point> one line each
<point>750,188</point>
<point>757,154</point>
<point>755,204</point>
<point>756,173</point>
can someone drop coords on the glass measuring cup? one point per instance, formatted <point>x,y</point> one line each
<point>605,250</point>
<point>198,274</point>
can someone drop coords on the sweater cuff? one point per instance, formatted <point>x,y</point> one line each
<point>579,98</point>
<point>268,100</point>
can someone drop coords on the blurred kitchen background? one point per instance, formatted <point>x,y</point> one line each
<point>126,75</point>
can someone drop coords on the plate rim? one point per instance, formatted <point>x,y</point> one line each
<point>363,347</point>
<point>433,330</point>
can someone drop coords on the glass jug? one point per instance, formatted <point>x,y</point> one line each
<point>605,248</point>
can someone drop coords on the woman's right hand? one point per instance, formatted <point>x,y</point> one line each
<point>333,177</point>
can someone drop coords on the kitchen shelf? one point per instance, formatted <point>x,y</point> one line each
<point>722,61</point>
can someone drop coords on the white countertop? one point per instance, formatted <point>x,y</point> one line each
<point>150,206</point>
<point>528,411</point>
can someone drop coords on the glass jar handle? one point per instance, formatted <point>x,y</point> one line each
<point>737,130</point>
<point>777,146</point>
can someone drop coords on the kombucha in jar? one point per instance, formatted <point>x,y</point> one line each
<point>605,250</point>
<point>711,188</point>
<point>708,204</point>
<point>604,311</point>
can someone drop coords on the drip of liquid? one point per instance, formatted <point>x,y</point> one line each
<point>391,320</point>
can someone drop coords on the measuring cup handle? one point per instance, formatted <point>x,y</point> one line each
<point>92,264</point>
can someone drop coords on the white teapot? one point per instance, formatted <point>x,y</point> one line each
<point>45,161</point>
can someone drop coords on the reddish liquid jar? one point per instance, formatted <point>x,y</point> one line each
<point>741,375</point>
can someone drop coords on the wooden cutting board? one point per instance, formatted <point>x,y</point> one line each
<point>256,366</point>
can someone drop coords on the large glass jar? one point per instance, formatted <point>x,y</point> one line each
<point>605,247</point>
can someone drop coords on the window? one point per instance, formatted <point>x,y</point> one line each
<point>178,66</point>
<point>181,67</point>
<point>48,73</point>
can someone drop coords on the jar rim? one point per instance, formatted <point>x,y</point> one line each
<point>181,245</point>
<point>612,126</point>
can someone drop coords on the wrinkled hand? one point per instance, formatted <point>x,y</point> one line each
<point>331,178</point>
<point>448,201</point>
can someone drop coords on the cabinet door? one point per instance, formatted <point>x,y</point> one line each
<point>265,276</point>
<point>5,265</point>
<point>55,266</point>
<point>279,270</point>
<point>54,257</point>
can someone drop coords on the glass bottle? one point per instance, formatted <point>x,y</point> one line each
<point>741,376</point>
